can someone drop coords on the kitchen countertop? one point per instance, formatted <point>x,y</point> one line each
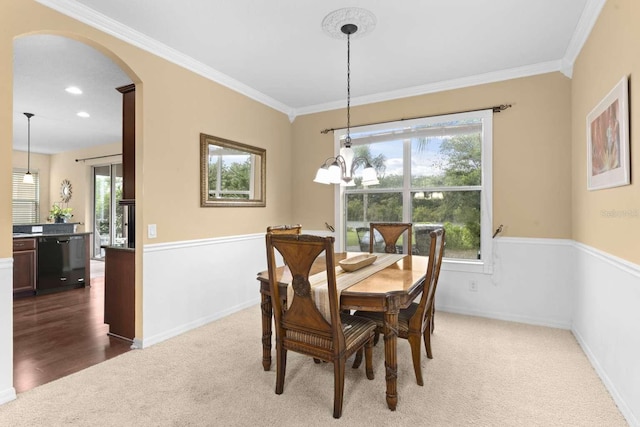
<point>119,247</point>
<point>31,235</point>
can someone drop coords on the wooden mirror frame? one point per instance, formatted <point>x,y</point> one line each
<point>260,175</point>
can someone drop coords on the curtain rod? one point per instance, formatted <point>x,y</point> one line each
<point>495,108</point>
<point>98,157</point>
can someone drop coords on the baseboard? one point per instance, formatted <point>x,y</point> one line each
<point>613,391</point>
<point>136,344</point>
<point>505,316</point>
<point>7,395</point>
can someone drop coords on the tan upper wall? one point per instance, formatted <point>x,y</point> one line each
<point>607,219</point>
<point>54,168</point>
<point>173,106</point>
<point>64,166</point>
<point>531,151</point>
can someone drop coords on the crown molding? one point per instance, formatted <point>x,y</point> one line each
<point>587,20</point>
<point>496,76</point>
<point>97,20</point>
<point>88,16</point>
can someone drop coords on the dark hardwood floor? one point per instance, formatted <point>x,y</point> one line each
<point>58,334</point>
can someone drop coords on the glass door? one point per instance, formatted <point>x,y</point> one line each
<point>108,215</point>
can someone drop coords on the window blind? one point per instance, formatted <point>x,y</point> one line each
<point>25,198</point>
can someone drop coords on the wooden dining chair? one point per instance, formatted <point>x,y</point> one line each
<point>284,229</point>
<point>414,322</point>
<point>302,327</point>
<point>390,232</point>
<point>360,233</point>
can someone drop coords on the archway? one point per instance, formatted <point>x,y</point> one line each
<point>46,64</point>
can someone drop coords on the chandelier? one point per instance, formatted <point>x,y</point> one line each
<point>28,177</point>
<point>341,169</point>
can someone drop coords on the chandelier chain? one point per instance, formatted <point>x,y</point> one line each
<point>29,115</point>
<point>348,140</point>
<point>29,144</point>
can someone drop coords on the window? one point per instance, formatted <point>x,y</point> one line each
<point>25,198</point>
<point>433,172</point>
<point>109,216</point>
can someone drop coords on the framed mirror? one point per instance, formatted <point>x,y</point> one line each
<point>65,190</point>
<point>231,173</point>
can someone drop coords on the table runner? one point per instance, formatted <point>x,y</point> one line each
<point>320,290</point>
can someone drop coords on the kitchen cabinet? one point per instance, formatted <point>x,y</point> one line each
<point>119,291</point>
<point>128,141</point>
<point>24,266</point>
<point>63,262</point>
<point>119,273</point>
<point>129,159</point>
<point>50,262</point>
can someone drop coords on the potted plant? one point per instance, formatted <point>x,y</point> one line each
<point>59,214</point>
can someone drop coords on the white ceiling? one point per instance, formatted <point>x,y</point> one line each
<point>277,53</point>
<point>44,65</point>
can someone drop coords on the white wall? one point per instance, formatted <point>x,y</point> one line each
<point>188,284</point>
<point>7,392</point>
<point>531,283</point>
<point>606,322</point>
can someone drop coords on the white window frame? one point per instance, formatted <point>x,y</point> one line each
<point>485,265</point>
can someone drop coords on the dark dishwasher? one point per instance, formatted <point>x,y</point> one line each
<point>61,263</point>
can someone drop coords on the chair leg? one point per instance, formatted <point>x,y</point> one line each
<point>338,393</point>
<point>281,367</point>
<point>368,355</point>
<point>376,337</point>
<point>432,317</point>
<point>414,343</point>
<point>358,360</point>
<point>427,343</point>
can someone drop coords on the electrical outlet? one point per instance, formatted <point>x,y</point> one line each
<point>152,232</point>
<point>473,286</point>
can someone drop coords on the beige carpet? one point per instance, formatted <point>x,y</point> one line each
<point>484,373</point>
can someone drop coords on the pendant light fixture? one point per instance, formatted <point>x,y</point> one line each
<point>340,169</point>
<point>28,178</point>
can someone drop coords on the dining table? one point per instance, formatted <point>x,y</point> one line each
<point>388,291</point>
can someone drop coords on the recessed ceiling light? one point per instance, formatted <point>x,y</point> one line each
<point>74,90</point>
<point>83,114</point>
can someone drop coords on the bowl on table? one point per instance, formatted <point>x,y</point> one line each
<point>357,262</point>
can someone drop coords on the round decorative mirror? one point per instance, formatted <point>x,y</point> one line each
<point>65,190</point>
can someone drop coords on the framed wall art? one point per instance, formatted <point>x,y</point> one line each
<point>608,140</point>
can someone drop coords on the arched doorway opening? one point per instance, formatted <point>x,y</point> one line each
<point>62,332</point>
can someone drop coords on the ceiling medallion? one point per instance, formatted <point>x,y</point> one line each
<point>365,21</point>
